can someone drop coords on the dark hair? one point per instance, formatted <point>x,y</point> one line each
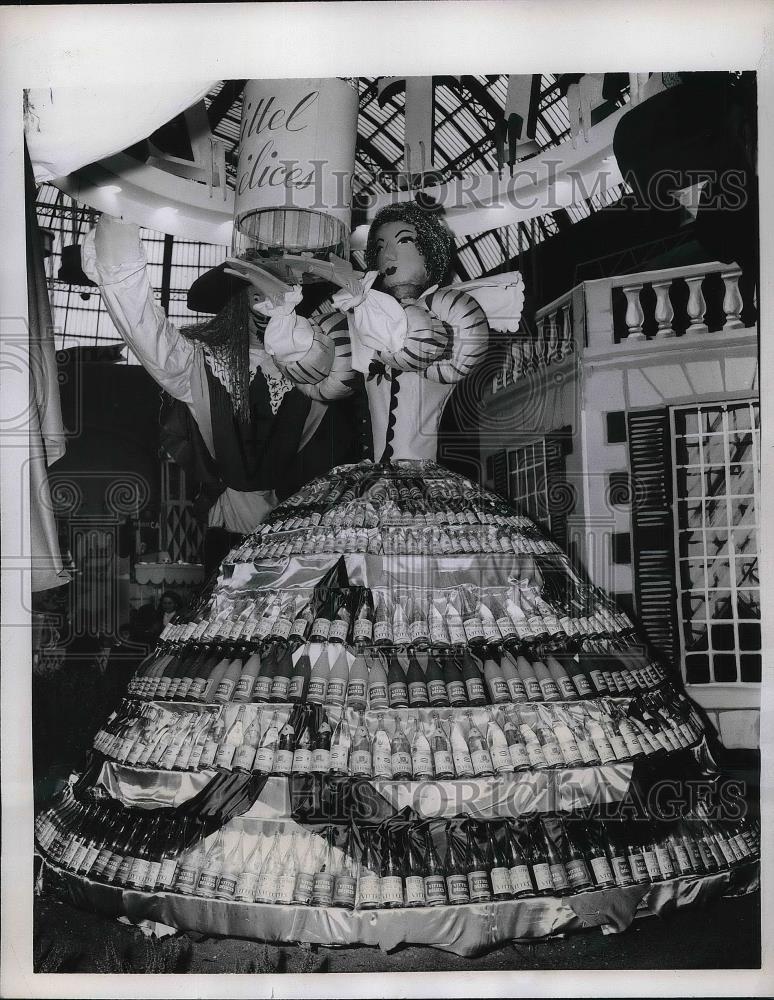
<point>434,240</point>
<point>175,597</point>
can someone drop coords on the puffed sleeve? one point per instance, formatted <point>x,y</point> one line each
<point>112,256</point>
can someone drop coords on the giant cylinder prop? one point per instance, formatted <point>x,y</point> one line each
<point>296,158</point>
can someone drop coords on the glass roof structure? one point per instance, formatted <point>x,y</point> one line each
<point>466,110</point>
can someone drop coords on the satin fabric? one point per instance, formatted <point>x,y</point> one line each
<point>486,798</point>
<point>463,930</point>
<point>371,570</point>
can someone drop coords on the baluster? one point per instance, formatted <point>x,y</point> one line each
<point>552,352</point>
<point>568,336</point>
<point>732,300</point>
<point>664,311</point>
<point>634,313</point>
<point>696,305</point>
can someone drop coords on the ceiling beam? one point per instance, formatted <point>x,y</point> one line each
<point>222,103</point>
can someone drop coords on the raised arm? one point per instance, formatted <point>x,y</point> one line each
<point>112,256</point>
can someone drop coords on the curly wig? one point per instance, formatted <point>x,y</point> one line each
<point>434,240</point>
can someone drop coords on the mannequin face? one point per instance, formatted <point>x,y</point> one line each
<point>402,266</point>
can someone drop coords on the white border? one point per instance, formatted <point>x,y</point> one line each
<point>69,45</point>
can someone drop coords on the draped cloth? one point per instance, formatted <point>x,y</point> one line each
<point>46,430</point>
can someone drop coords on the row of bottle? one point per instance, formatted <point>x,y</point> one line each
<point>330,674</point>
<point>400,746</point>
<point>359,514</point>
<point>387,868</point>
<point>460,616</point>
<point>400,541</point>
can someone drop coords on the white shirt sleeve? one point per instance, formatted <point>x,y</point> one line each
<point>112,256</point>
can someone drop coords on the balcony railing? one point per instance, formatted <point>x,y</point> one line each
<point>695,301</point>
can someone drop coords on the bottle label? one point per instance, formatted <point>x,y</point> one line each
<point>264,759</point>
<point>280,686</point>
<point>578,873</point>
<point>473,629</point>
<point>338,630</point>
<point>622,870</point>
<point>317,689</point>
<point>435,889</point>
<point>382,632</point>
<point>321,628</point>
<point>361,762</point>
<point>475,689</point>
<point>619,747</point>
<point>401,763</point>
<point>535,755</point>
<point>267,888</point>
<point>501,759</point>
<point>377,695</point>
<point>299,762</point>
<point>224,756</point>
<point>340,757</point>
<point>111,867</point>
<point>356,691</point>
<point>418,631</point>
<point>457,693</point>
<point>443,763</point>
<point>382,764</point>
<point>262,688</point>
<point>598,679</point>
<point>392,889</point>
<point>457,635</point>
<point>500,692</point>
<point>457,887</point>
<point>478,885</point>
<point>151,876</point>
<point>491,632</point>
<point>400,633</point>
<point>542,873</point>
<point>243,757</point>
<point>139,872</point>
<point>438,633</point>
<point>196,690</point>
<point>516,689</point>
<point>605,751</point>
<point>208,882</point>
<point>549,689</point>
<point>283,762</point>
<point>336,688</point>
<point>418,693</point>
<point>98,868</point>
<point>463,764</point>
<point>323,759</point>
<point>302,891</point>
<point>501,882</point>
<point>246,887</point>
<point>520,879</point>
<point>559,877</point>
<point>652,866</point>
<point>506,627</point>
<point>362,630</point>
<point>553,753</point>
<point>226,887</point>
<point>603,873</point>
<point>298,630</point>
<point>533,688</point>
<point>186,878</point>
<point>344,891</point>
<point>422,764</point>
<point>224,690</point>
<point>397,693</point>
<point>571,752</point>
<point>166,876</point>
<point>286,884</point>
<point>281,628</point>
<point>368,890</point>
<point>566,688</point>
<point>582,686</point>
<point>481,760</point>
<point>638,866</point>
<point>415,889</point>
<point>665,862</point>
<point>436,691</point>
<point>519,756</point>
